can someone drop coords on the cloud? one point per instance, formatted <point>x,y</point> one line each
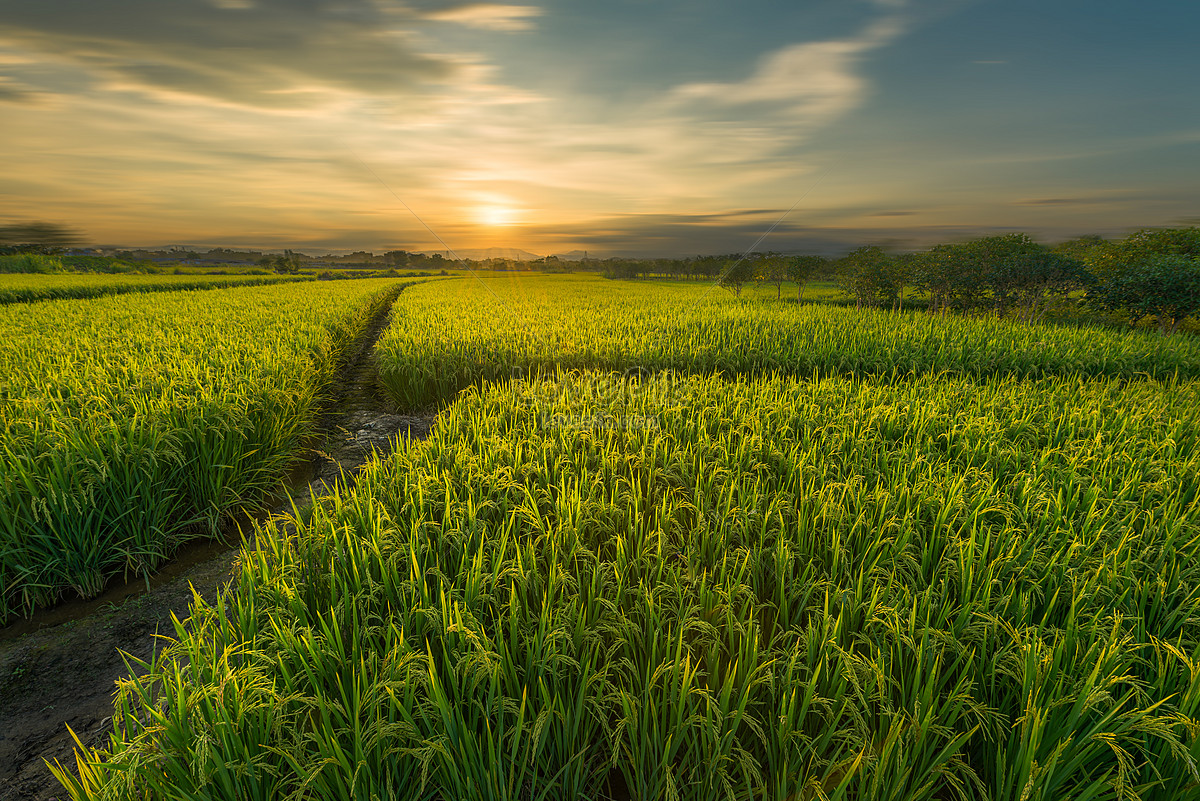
<point>268,53</point>
<point>489,16</point>
<point>734,231</point>
<point>1053,201</point>
<point>1094,199</point>
<point>323,88</point>
<point>812,82</point>
<point>706,143</point>
<point>12,92</point>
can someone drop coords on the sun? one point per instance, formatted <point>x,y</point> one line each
<point>495,215</point>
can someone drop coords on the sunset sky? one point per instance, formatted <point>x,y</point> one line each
<point>620,127</point>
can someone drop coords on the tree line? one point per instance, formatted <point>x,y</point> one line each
<point>1150,275</point>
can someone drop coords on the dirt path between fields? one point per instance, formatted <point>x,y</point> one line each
<point>59,668</point>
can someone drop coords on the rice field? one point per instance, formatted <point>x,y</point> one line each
<point>667,544</point>
<point>782,588</point>
<point>453,334</point>
<point>30,287</point>
<point>130,423</point>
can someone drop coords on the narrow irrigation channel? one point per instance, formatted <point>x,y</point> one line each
<point>58,668</point>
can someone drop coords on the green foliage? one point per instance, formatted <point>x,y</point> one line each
<point>30,263</point>
<point>1027,279</point>
<point>864,274</point>
<point>1005,273</point>
<point>874,277</point>
<point>737,272</point>
<point>772,268</point>
<point>803,269</point>
<point>1081,248</point>
<point>1148,242</point>
<point>106,264</point>
<point>1150,273</point>
<point>1164,287</point>
<point>127,426</point>
<point>286,264</point>
<point>938,274</point>
<point>957,276</point>
<point>30,288</point>
<point>861,555</point>
<point>450,335</point>
<point>935,588</point>
<point>1005,265</point>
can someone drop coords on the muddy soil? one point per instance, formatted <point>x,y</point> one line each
<point>58,669</point>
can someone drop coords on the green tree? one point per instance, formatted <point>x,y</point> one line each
<point>396,258</point>
<point>1148,242</point>
<point>1107,261</point>
<point>772,268</point>
<point>967,275</point>
<point>863,274</point>
<point>935,273</point>
<point>803,269</point>
<point>1031,278</point>
<point>1165,287</point>
<point>898,274</point>
<point>710,267</point>
<point>736,274</point>
<point>287,264</point>
<point>1081,247</point>
<point>1146,274</point>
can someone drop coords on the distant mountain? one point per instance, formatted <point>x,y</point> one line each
<point>480,254</point>
<point>573,255</point>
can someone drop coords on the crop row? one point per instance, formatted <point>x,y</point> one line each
<point>698,588</point>
<point>129,424</point>
<point>28,287</point>
<point>454,334</point>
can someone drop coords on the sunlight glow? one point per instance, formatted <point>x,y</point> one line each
<point>495,215</point>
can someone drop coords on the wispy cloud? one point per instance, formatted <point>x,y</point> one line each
<point>1092,199</point>
<point>1054,201</point>
<point>13,92</point>
<point>813,82</point>
<point>489,16</point>
<point>694,234</point>
<point>266,53</point>
<point>319,89</point>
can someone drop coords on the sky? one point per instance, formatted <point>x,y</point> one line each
<point>625,127</point>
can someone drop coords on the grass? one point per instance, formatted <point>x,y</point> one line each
<point>454,334</point>
<point>28,288</point>
<point>127,424</point>
<point>30,263</point>
<point>790,589</point>
<point>663,543</point>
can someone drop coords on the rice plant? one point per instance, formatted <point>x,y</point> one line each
<point>454,334</point>
<point>30,287</point>
<point>128,424</point>
<point>944,587</point>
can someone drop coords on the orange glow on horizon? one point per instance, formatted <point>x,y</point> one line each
<point>495,215</point>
